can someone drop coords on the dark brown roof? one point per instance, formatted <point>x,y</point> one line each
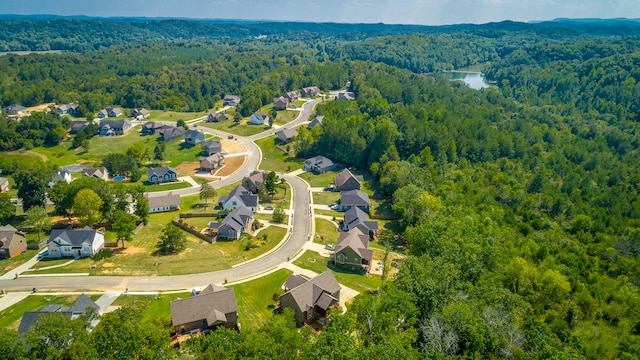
<point>212,305</point>
<point>344,176</point>
<point>311,292</point>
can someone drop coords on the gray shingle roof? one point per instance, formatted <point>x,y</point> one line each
<point>354,217</point>
<point>357,241</point>
<point>312,292</point>
<point>160,171</point>
<point>75,237</point>
<point>212,305</point>
<point>242,194</point>
<point>354,198</point>
<point>170,199</point>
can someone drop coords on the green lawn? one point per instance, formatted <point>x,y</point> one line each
<point>325,197</point>
<point>241,129</point>
<point>7,265</point>
<point>275,159</point>
<point>313,261</point>
<point>326,232</point>
<point>11,316</point>
<point>255,303</point>
<point>282,191</point>
<point>174,116</point>
<point>286,116</point>
<point>152,306</point>
<point>167,186</point>
<point>336,214</point>
<point>321,180</point>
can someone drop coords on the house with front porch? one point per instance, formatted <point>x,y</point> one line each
<point>318,164</point>
<point>161,174</point>
<point>311,299</point>
<point>85,242</point>
<point>233,226</point>
<point>239,197</point>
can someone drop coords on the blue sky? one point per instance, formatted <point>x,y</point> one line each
<point>428,12</point>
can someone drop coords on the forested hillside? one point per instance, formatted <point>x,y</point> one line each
<point>518,205</point>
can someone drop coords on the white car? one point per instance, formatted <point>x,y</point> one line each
<point>329,247</point>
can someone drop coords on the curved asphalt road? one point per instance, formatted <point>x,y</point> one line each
<point>299,235</point>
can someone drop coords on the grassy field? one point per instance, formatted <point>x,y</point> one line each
<point>275,159</point>
<point>336,214</point>
<point>241,129</point>
<point>254,298</point>
<point>311,260</point>
<point>139,257</point>
<point>326,197</point>
<point>174,116</point>
<point>7,265</point>
<point>326,232</point>
<point>320,180</point>
<point>152,306</point>
<point>11,316</point>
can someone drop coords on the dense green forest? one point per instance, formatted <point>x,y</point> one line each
<point>518,205</point>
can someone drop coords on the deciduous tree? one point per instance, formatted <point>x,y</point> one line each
<point>123,224</point>
<point>86,206</point>
<point>172,240</point>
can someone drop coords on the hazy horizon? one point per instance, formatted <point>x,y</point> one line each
<point>418,12</point>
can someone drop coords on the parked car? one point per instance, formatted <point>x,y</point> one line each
<point>268,207</point>
<point>43,254</point>
<point>329,247</point>
<point>230,137</point>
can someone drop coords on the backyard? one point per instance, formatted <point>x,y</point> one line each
<point>11,316</point>
<point>275,159</point>
<point>240,129</point>
<point>326,232</point>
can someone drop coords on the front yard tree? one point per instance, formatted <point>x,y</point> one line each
<point>123,225</point>
<point>172,241</point>
<point>31,184</point>
<point>158,152</point>
<point>138,152</point>
<point>182,123</point>
<point>207,192</point>
<point>7,209</point>
<point>270,183</point>
<point>38,220</point>
<point>278,215</point>
<point>237,117</point>
<point>86,206</point>
<point>142,208</point>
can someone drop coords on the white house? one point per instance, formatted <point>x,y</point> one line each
<point>238,197</point>
<point>75,243</point>
<point>259,119</point>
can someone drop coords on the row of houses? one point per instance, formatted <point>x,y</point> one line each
<point>281,102</point>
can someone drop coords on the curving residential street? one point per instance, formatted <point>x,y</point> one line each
<point>298,235</point>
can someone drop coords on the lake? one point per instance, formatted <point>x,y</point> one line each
<point>475,80</point>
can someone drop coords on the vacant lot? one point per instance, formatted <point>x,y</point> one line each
<point>231,165</point>
<point>174,116</point>
<point>11,316</point>
<point>240,129</point>
<point>274,159</point>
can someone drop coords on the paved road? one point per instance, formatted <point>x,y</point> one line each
<point>300,230</point>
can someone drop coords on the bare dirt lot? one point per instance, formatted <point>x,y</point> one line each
<point>40,108</point>
<point>188,168</point>
<point>231,165</point>
<point>232,146</point>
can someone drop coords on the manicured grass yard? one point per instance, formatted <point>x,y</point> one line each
<point>275,159</point>
<point>254,298</point>
<point>139,257</point>
<point>7,265</point>
<point>11,316</point>
<point>354,279</point>
<point>167,186</point>
<point>326,197</point>
<point>320,180</point>
<point>241,129</point>
<point>152,306</point>
<point>336,214</point>
<point>174,116</point>
<point>326,232</point>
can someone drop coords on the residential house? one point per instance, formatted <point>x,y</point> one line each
<point>75,243</point>
<point>78,125</point>
<point>97,173</point>
<point>355,218</point>
<point>4,184</point>
<point>157,204</point>
<point>215,306</point>
<point>211,147</point>
<point>139,113</point>
<point>231,100</point>
<point>354,198</point>
<point>352,250</point>
<point>280,103</point>
<point>60,175</point>
<point>292,95</point>
<point>346,96</point>
<point>193,137</point>
<point>151,127</point>
<point>234,224</point>
<point>12,242</point>
<point>315,122</point>
<point>168,132</point>
<point>68,109</point>
<point>259,119</point>
<point>15,109</point>
<point>347,181</point>
<point>318,164</point>
<point>212,162</point>
<point>311,299</point>
<point>109,112</point>
<point>77,309</point>
<point>239,197</point>
<point>161,174</point>
<point>216,117</point>
<point>310,91</point>
<point>114,127</point>
<point>286,135</point>
<point>254,181</point>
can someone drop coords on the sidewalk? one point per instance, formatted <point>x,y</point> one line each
<point>189,180</point>
<point>20,269</point>
<point>12,298</point>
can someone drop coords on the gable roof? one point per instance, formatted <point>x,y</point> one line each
<point>346,95</point>
<point>170,199</point>
<point>160,171</point>
<point>316,121</point>
<point>193,134</point>
<point>344,176</point>
<point>318,162</point>
<point>115,123</point>
<point>95,172</point>
<point>242,194</point>
<point>354,198</point>
<point>168,130</point>
<point>294,281</point>
<point>74,237</point>
<point>260,116</point>
<point>315,291</point>
<point>7,235</point>
<point>82,303</point>
<point>211,161</point>
<point>212,144</point>
<point>212,305</point>
<point>15,107</point>
<point>238,220</point>
<point>79,307</point>
<point>288,133</point>
<point>357,241</point>
<point>355,217</point>
<point>217,116</point>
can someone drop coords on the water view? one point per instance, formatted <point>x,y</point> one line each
<point>475,80</point>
